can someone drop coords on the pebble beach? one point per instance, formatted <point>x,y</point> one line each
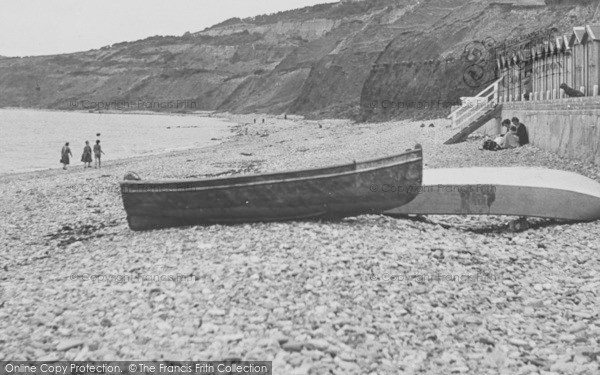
<point>364,295</point>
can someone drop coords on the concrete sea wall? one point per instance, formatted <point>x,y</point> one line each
<point>568,127</point>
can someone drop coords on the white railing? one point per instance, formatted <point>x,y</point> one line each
<point>474,107</point>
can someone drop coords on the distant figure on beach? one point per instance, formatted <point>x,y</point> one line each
<point>97,154</point>
<point>263,121</point>
<point>255,121</point>
<point>86,157</point>
<point>521,131</point>
<point>64,155</point>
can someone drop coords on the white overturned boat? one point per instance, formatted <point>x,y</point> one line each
<point>514,191</point>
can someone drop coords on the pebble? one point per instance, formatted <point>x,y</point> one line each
<point>567,337</point>
<point>486,341</point>
<point>346,366</point>
<point>68,344</point>
<point>347,356</point>
<point>578,327</point>
<point>564,367</point>
<point>216,312</point>
<point>163,326</point>
<point>318,344</point>
<point>280,338</point>
<point>517,342</point>
<point>52,357</point>
<point>293,346</point>
<point>230,338</point>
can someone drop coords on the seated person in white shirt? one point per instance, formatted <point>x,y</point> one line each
<point>510,139</point>
<point>503,131</point>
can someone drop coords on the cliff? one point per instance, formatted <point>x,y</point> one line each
<point>343,59</point>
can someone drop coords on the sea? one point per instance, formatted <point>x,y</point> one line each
<point>31,140</point>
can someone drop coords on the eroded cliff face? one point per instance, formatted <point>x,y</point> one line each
<point>307,30</point>
<point>345,59</point>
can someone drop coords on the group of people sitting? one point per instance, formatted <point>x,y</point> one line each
<point>514,134</point>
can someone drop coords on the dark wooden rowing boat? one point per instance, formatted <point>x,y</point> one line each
<point>327,193</point>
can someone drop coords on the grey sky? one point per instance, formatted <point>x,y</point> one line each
<point>42,27</point>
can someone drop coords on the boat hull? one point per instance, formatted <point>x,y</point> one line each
<point>333,192</point>
<point>513,191</point>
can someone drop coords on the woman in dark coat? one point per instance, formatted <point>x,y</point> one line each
<point>521,131</point>
<point>86,157</point>
<point>64,155</point>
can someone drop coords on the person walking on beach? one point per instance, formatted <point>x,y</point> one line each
<point>64,155</point>
<point>97,154</point>
<point>86,157</point>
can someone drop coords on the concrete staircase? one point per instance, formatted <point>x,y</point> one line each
<point>475,112</point>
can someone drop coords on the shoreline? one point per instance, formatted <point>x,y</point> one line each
<point>113,112</point>
<point>234,123</point>
<point>231,126</point>
<point>116,162</point>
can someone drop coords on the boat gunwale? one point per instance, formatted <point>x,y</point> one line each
<point>157,186</point>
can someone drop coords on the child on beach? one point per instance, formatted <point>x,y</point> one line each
<point>64,155</point>
<point>97,154</point>
<point>86,157</point>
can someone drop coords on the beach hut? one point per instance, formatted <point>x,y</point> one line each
<point>568,62</point>
<point>538,73</point>
<point>507,82</point>
<point>503,70</point>
<point>591,42</point>
<point>578,56</point>
<point>551,65</point>
<point>524,67</point>
<point>557,66</point>
<point>534,62</point>
<point>504,61</point>
<point>514,77</point>
<point>544,69</point>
